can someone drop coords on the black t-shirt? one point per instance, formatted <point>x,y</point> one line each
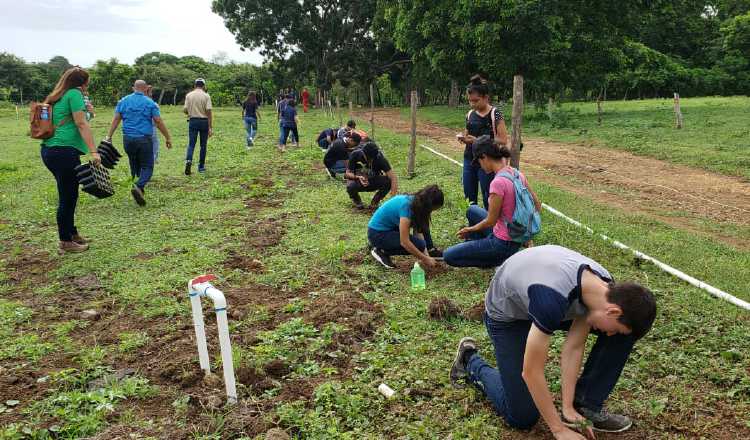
<point>479,126</point>
<point>325,133</point>
<point>249,110</point>
<point>338,150</point>
<point>358,164</point>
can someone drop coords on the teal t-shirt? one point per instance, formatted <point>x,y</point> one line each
<point>388,216</point>
<point>67,134</point>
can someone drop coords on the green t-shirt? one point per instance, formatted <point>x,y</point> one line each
<point>67,134</point>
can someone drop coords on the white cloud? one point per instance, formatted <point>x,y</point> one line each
<point>87,30</point>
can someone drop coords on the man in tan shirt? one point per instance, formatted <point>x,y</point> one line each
<point>200,121</point>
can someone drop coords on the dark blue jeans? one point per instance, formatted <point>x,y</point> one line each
<point>338,167</point>
<point>285,134</point>
<point>473,176</point>
<point>61,162</point>
<point>507,390</point>
<point>483,249</point>
<point>251,126</point>
<point>323,144</point>
<point>390,241</point>
<point>141,156</point>
<point>197,126</point>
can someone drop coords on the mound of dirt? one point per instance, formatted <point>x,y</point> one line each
<point>277,368</point>
<point>475,312</point>
<point>442,308</point>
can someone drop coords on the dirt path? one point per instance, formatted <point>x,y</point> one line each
<point>681,196</point>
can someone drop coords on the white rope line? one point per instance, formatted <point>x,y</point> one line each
<point>663,266</point>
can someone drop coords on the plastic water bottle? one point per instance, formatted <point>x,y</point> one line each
<point>45,113</point>
<point>417,277</point>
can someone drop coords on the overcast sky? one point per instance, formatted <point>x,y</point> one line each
<point>84,31</point>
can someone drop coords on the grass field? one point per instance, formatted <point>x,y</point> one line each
<point>316,326</point>
<point>715,136</point>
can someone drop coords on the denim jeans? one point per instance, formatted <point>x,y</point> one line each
<point>483,249</point>
<point>507,390</point>
<point>338,167</point>
<point>197,126</point>
<point>61,161</point>
<point>381,184</point>
<point>323,144</point>
<point>285,134</point>
<point>474,176</point>
<point>390,241</point>
<point>155,143</point>
<point>251,126</point>
<point>295,137</point>
<point>141,156</point>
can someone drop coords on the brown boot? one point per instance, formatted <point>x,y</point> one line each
<point>80,240</point>
<point>72,247</point>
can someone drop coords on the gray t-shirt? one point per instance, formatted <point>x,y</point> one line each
<point>541,284</point>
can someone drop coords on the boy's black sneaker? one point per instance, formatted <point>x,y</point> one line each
<point>602,420</point>
<point>466,347</point>
<point>436,254</point>
<point>330,173</point>
<point>360,206</point>
<point>138,196</point>
<point>381,257</point>
<point>187,168</point>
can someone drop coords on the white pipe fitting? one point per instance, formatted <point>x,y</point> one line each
<point>198,287</point>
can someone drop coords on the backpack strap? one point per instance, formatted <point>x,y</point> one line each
<point>492,118</point>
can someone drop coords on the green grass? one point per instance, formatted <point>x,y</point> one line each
<point>696,357</point>
<point>715,134</point>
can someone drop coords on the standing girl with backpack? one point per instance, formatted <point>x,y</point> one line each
<point>490,240</point>
<point>482,120</point>
<point>61,152</point>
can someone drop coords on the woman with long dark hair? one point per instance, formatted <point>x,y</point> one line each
<point>61,153</point>
<point>489,242</point>
<point>251,116</point>
<point>402,227</point>
<point>482,120</point>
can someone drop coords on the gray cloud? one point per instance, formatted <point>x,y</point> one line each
<point>78,15</point>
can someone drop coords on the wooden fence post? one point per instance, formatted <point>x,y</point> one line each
<point>517,121</point>
<point>677,111</point>
<point>338,110</point>
<point>351,111</point>
<point>413,144</point>
<point>372,112</point>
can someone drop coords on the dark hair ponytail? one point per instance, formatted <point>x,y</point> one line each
<point>424,202</point>
<point>478,85</point>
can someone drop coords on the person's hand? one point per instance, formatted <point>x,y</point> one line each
<point>469,139</point>
<point>429,261</point>
<point>90,107</point>
<point>95,158</point>
<point>393,193</point>
<point>210,132</point>
<point>108,138</point>
<point>463,233</point>
<point>568,434</point>
<point>529,244</point>
<point>363,180</point>
<point>571,415</point>
<point>169,143</point>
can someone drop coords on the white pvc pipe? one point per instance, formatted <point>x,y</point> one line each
<point>198,287</point>
<point>663,266</point>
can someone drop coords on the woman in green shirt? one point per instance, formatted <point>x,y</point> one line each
<point>61,153</point>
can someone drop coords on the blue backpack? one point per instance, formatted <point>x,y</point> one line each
<point>526,222</point>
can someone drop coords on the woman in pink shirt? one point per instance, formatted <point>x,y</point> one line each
<point>488,241</point>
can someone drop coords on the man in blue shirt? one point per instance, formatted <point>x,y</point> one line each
<point>138,113</point>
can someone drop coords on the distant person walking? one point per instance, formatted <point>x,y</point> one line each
<point>289,122</point>
<point>61,153</point>
<point>200,122</point>
<point>305,99</point>
<point>155,136</point>
<point>251,116</point>
<point>138,114</point>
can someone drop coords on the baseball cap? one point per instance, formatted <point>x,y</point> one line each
<point>200,81</point>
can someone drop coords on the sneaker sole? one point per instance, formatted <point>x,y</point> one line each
<point>138,197</point>
<point>456,361</point>
<point>380,260</point>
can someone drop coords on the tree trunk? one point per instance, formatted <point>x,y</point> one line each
<point>372,111</point>
<point>550,107</point>
<point>599,107</point>
<point>517,121</point>
<point>161,95</point>
<point>174,99</point>
<point>338,110</point>
<point>677,111</point>
<point>413,144</point>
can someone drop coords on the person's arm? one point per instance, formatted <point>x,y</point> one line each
<point>570,363</point>
<point>394,182</point>
<point>537,202</point>
<point>534,361</point>
<point>210,122</point>
<point>85,130</point>
<point>502,132</point>
<point>184,108</point>
<point>496,204</point>
<point>113,126</point>
<point>163,129</point>
<point>404,227</point>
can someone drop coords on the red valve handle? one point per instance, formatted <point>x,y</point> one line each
<point>202,279</point>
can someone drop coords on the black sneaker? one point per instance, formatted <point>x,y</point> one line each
<point>138,196</point>
<point>602,420</point>
<point>201,170</point>
<point>330,173</point>
<point>436,254</point>
<point>458,369</point>
<point>187,168</point>
<point>360,206</point>
<point>382,258</point>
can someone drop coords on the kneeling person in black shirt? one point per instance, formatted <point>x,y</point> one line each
<point>368,170</point>
<point>337,155</point>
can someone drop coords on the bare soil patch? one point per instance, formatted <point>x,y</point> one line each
<point>674,194</point>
